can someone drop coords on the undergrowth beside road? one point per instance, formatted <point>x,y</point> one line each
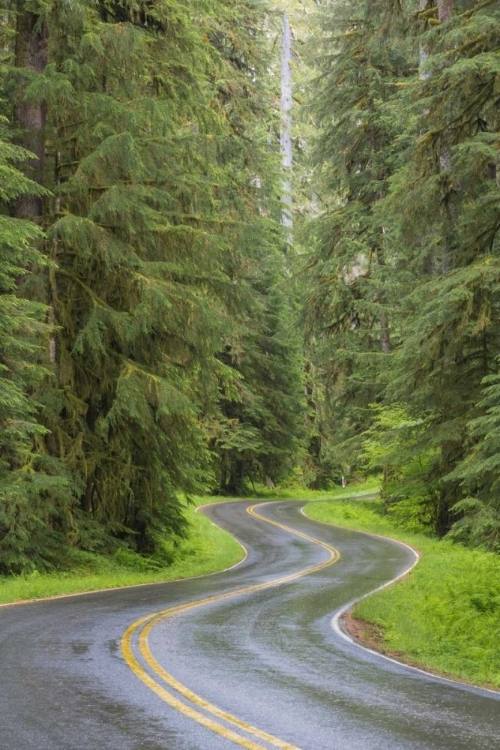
<point>207,550</point>
<point>445,616</point>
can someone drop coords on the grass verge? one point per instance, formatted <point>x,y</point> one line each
<point>207,550</point>
<point>445,616</point>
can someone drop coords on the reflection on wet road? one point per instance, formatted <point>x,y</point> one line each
<point>234,659</point>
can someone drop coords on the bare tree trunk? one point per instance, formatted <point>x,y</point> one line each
<point>445,10</point>
<point>422,51</point>
<point>286,127</point>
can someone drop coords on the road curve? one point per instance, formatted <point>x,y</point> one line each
<point>243,658</point>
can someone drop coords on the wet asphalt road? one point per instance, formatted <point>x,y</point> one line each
<point>269,658</point>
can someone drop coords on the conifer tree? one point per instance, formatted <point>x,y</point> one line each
<point>119,120</point>
<point>260,434</point>
<point>363,61</point>
<point>259,431</point>
<point>445,196</point>
<point>434,223</point>
<point>479,511</point>
<point>138,259</point>
<point>37,493</point>
<point>147,125</point>
<point>34,490</point>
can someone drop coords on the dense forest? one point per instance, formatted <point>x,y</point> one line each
<point>182,311</point>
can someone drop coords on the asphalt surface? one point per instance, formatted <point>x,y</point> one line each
<point>268,657</point>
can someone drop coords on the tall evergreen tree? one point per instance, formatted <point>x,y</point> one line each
<point>33,488</point>
<point>145,123</point>
<point>430,214</point>
<point>479,511</point>
<point>260,435</point>
<point>446,198</point>
<point>138,260</point>
<point>363,61</point>
<point>260,427</point>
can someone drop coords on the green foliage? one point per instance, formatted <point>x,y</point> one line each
<point>409,242</point>
<point>443,614</point>
<point>362,61</point>
<point>158,167</point>
<point>135,236</point>
<point>479,514</point>
<point>260,426</point>
<point>259,438</point>
<point>150,334</point>
<point>35,492</point>
<point>393,445</point>
<point>207,550</point>
<point>449,334</point>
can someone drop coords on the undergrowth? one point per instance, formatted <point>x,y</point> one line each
<point>206,550</point>
<point>446,614</point>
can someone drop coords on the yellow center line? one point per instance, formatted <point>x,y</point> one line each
<point>143,626</point>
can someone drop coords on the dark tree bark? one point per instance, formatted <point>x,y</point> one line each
<point>31,54</point>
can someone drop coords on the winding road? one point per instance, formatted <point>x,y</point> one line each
<point>244,658</point>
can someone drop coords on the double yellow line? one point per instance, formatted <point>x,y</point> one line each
<point>135,647</point>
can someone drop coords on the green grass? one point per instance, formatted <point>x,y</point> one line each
<point>301,493</point>
<point>445,615</point>
<point>207,550</point>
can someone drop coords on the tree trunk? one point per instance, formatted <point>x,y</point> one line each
<point>445,10</point>
<point>31,54</point>
<point>384,321</point>
<point>286,127</point>
<point>422,51</point>
<point>441,264</point>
